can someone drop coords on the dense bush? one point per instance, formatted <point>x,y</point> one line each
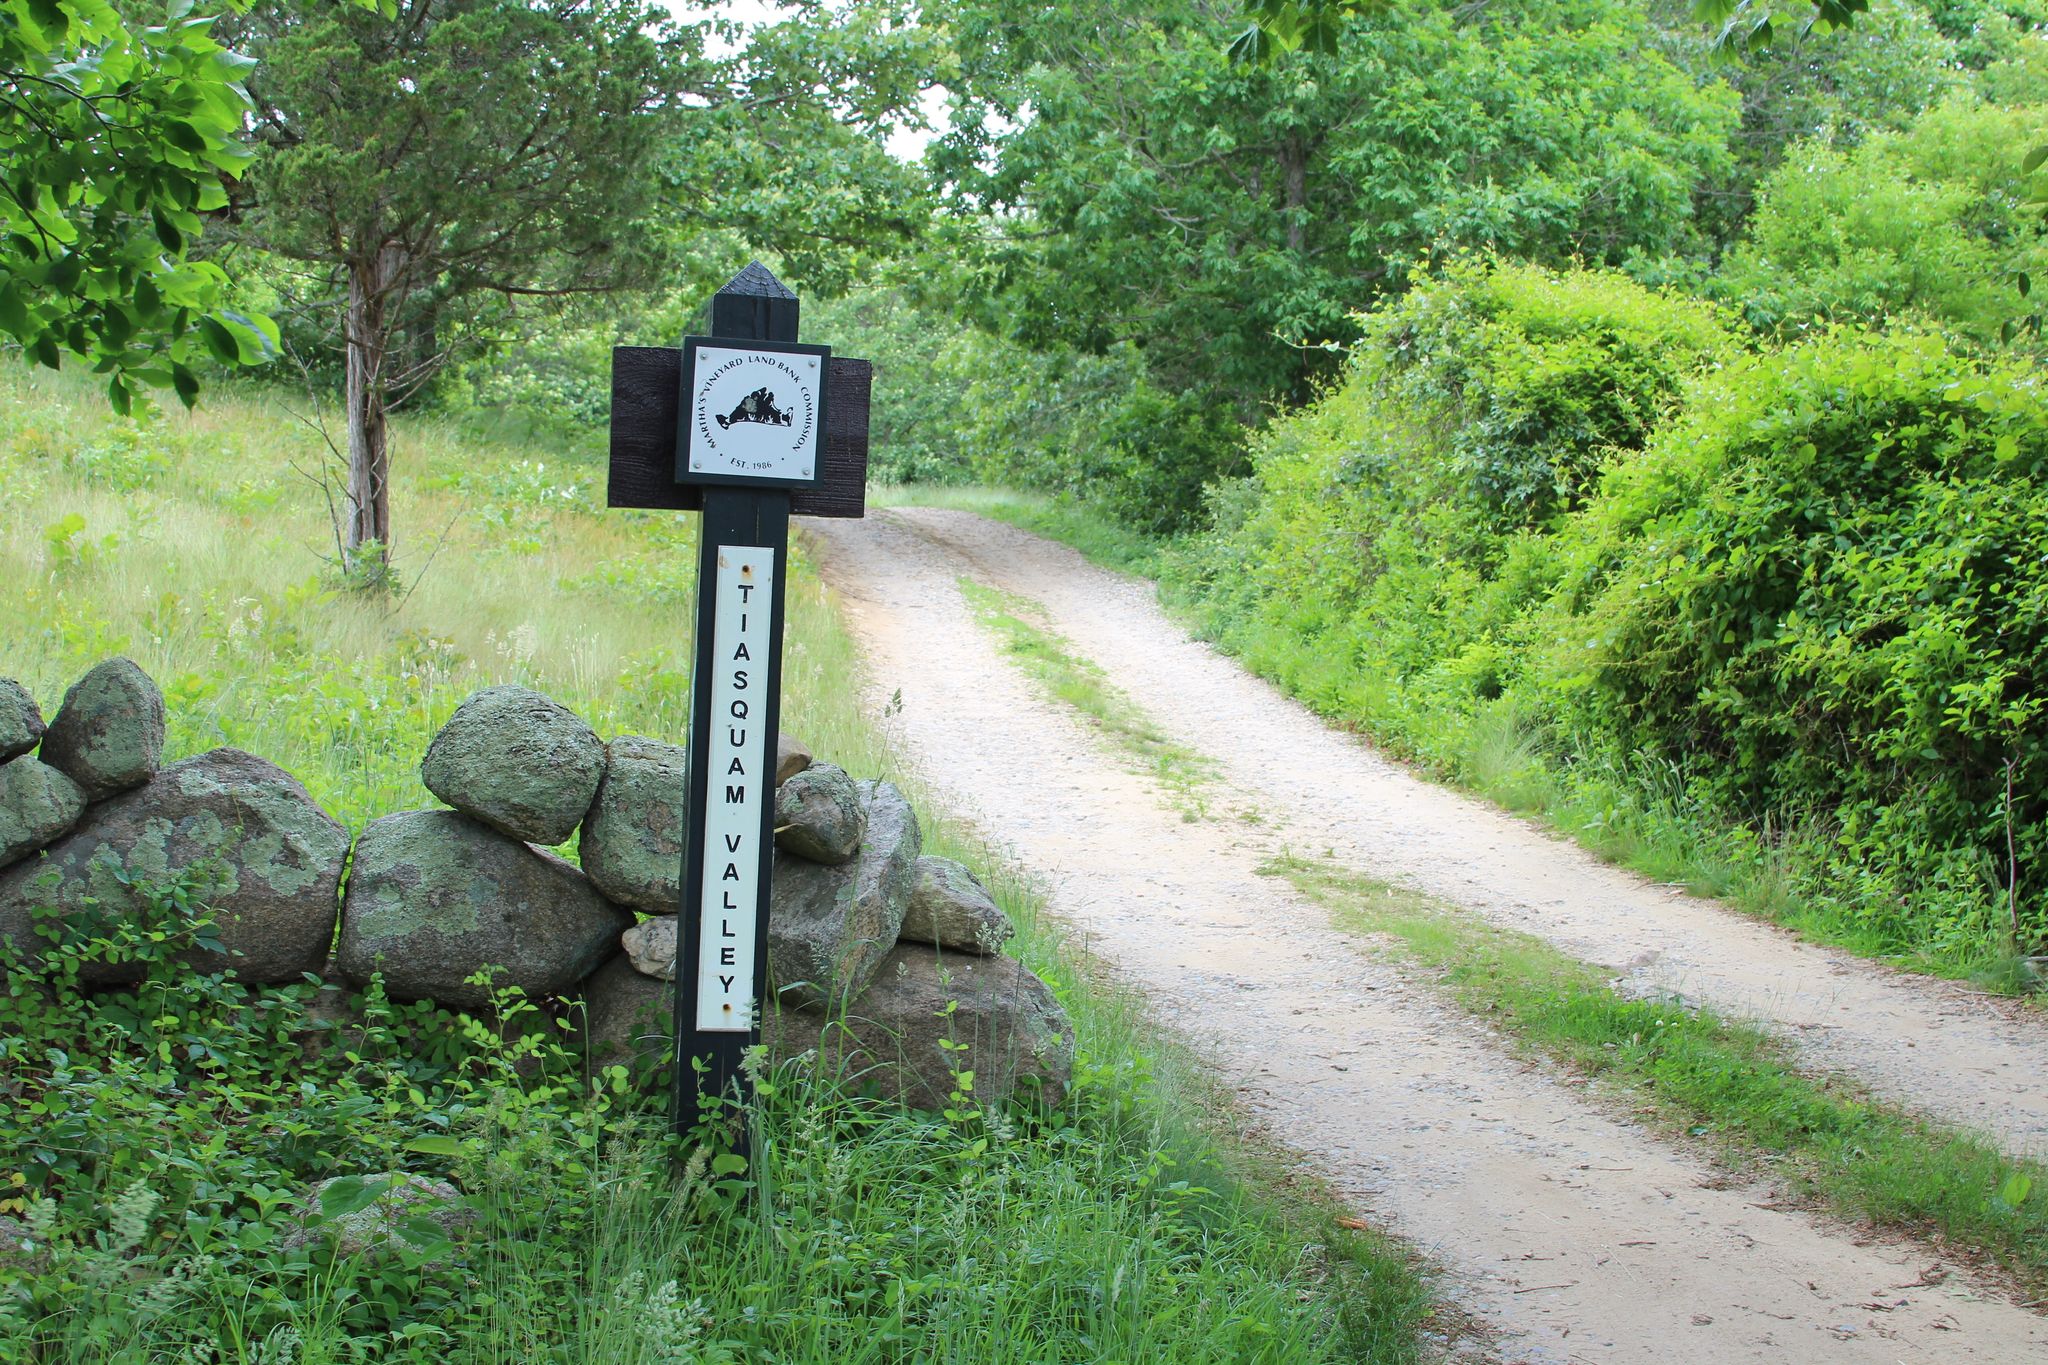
<point>1823,586</point>
<point>1555,531</point>
<point>1384,552</point>
<point>1929,223</point>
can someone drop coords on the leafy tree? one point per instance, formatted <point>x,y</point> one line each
<point>1282,26</point>
<point>461,148</point>
<point>781,149</point>
<point>471,159</point>
<point>1228,220</point>
<point>116,138</point>
<point>1880,75</point>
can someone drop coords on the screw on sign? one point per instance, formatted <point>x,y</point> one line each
<point>748,426</point>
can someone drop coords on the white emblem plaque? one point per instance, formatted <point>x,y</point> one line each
<point>752,413</point>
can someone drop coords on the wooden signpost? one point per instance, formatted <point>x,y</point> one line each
<point>747,426</point>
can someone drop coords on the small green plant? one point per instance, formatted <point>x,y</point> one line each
<point>67,546</point>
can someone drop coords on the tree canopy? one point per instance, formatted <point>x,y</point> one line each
<point>117,138</point>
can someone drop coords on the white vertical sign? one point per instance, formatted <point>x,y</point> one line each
<point>736,786</point>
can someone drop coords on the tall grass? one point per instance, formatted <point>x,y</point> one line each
<point>1122,1226</point>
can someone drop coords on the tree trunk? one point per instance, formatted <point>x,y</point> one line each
<point>1294,168</point>
<point>366,544</point>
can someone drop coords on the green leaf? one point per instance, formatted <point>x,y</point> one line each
<point>186,383</point>
<point>14,311</point>
<point>2034,159</point>
<point>351,1194</point>
<point>220,341</point>
<point>2018,1186</point>
<point>435,1146</point>
<point>184,137</point>
<point>167,231</point>
<point>728,1163</point>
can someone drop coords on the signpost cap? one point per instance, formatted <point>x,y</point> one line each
<point>754,305</point>
<point>756,282</point>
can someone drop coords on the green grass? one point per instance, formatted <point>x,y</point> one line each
<point>158,1154</point>
<point>1048,657</point>
<point>1102,540</point>
<point>1713,1079</point>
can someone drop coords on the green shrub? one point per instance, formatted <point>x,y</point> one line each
<point>1927,223</point>
<point>1382,558</point>
<point>1823,586</point>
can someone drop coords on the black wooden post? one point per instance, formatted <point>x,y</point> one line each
<point>748,426</point>
<point>753,306</point>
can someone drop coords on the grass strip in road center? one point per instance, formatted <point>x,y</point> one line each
<point>1049,659</point>
<point>1730,1083</point>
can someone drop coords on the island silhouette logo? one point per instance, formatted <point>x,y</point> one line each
<point>758,406</point>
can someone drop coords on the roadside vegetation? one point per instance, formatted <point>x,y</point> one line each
<point>1720,1083</point>
<point>157,1145</point>
<point>1725,1085</point>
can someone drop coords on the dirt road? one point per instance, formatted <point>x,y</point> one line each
<point>1576,1235</point>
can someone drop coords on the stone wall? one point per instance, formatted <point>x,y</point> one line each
<point>885,960</point>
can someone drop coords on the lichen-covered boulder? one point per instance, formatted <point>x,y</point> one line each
<point>792,756</point>
<point>21,720</point>
<point>108,736</point>
<point>819,815</point>
<point>241,832</point>
<point>632,844</point>
<point>1016,1036</point>
<point>951,908</point>
<point>37,803</point>
<point>522,763</point>
<point>433,896</point>
<point>830,927</point>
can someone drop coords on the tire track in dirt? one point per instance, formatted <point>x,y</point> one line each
<point>1577,1236</point>
<point>1972,1061</point>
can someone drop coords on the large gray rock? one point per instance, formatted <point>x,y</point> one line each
<point>108,736</point>
<point>21,720</point>
<point>830,927</point>
<point>627,1017</point>
<point>951,908</point>
<point>792,756</point>
<point>266,859</point>
<point>433,896</point>
<point>1016,1035</point>
<point>522,763</point>
<point>819,815</point>
<point>37,803</point>
<point>632,844</point>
